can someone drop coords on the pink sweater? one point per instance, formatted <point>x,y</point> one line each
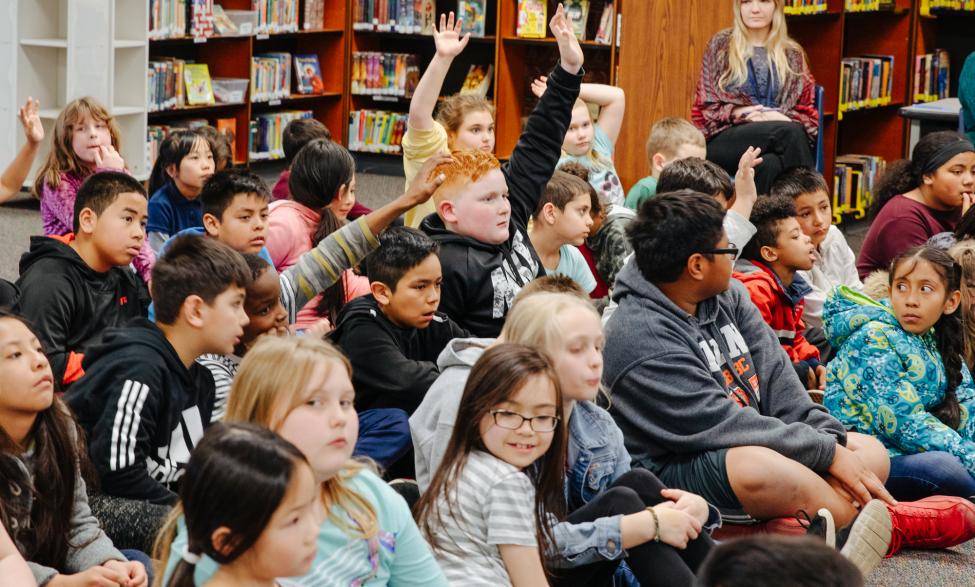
<point>57,216</point>
<point>291,227</point>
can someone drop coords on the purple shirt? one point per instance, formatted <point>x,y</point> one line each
<point>901,224</point>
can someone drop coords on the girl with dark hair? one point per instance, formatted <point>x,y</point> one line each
<point>49,521</point>
<point>184,164</point>
<point>919,198</point>
<point>487,511</point>
<point>250,503</point>
<point>899,375</point>
<point>322,185</point>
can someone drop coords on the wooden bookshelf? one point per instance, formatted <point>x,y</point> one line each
<point>951,30</point>
<point>230,56</point>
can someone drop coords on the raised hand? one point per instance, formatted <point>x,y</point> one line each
<point>30,119</point>
<point>539,85</point>
<point>447,37</point>
<point>570,53</point>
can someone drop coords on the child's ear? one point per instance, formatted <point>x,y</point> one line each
<point>446,211</point>
<point>548,213</point>
<point>769,254</point>
<point>696,267</point>
<point>211,224</point>
<point>87,219</point>
<point>382,292</point>
<point>951,304</point>
<point>193,310</point>
<point>657,163</point>
<point>222,540</point>
<point>171,170</point>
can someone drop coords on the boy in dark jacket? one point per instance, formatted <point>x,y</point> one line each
<point>769,267</point>
<point>484,247</point>
<point>708,400</point>
<point>75,286</point>
<point>144,402</point>
<point>394,336</point>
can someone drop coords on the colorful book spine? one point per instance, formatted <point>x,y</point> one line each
<point>855,178</point>
<point>167,19</point>
<point>376,131</point>
<point>276,16</point>
<point>266,132</point>
<point>384,74</point>
<point>270,77</point>
<point>394,16</point>
<point>805,7</point>
<point>932,76</point>
<point>866,82</point>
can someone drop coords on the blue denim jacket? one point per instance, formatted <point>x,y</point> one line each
<point>596,458</point>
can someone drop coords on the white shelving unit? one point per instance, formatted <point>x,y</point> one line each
<point>60,50</point>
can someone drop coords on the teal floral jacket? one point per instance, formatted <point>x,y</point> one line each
<point>884,380</point>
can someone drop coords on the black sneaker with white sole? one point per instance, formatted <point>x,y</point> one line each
<point>866,540</point>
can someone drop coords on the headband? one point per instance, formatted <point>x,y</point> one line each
<point>190,557</point>
<point>945,154</point>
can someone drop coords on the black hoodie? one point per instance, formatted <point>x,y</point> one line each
<point>70,304</point>
<point>480,280</point>
<point>142,410</point>
<point>392,366</point>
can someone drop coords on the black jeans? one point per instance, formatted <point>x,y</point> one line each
<point>653,563</point>
<point>783,144</point>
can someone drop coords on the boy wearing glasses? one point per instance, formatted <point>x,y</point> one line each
<point>708,400</point>
<point>769,270</point>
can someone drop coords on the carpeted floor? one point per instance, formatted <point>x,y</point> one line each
<point>945,568</point>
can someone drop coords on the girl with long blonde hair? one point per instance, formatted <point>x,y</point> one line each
<point>756,90</point>
<point>301,388</point>
<point>661,530</point>
<point>963,252</point>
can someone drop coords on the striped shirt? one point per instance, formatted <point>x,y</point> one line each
<point>493,503</point>
<point>224,369</point>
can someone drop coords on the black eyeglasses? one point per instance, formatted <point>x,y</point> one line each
<point>730,250</point>
<point>514,420</point>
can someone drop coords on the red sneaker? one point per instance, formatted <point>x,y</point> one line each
<point>796,526</point>
<point>933,522</point>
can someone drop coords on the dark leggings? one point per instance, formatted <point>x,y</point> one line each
<point>783,144</point>
<point>653,563</point>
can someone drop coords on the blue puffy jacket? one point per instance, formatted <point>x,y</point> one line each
<point>884,380</point>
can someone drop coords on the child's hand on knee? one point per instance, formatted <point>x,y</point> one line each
<point>859,481</point>
<point>691,503</point>
<point>676,527</point>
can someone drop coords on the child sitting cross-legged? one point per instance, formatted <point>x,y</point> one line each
<point>394,336</point>
<point>76,286</point>
<point>561,223</point>
<point>484,246</point>
<point>768,268</point>
<point>834,262</point>
<point>144,402</point>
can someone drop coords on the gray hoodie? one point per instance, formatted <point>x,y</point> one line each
<point>686,384</point>
<point>433,422</point>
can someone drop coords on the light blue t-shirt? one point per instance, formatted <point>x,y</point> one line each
<point>572,264</point>
<point>602,172</point>
<point>398,555</point>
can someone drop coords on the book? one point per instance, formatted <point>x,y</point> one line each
<point>265,141</point>
<point>384,74</point>
<point>376,131</point>
<point>472,12</point>
<point>314,16</point>
<point>855,178</point>
<point>270,77</point>
<point>604,34</point>
<point>167,18</point>
<point>932,75</point>
<point>199,89</point>
<point>866,82</point>
<point>478,80</point>
<point>201,19</point>
<point>228,126</point>
<point>532,19</point>
<point>308,75</point>
<point>577,11</point>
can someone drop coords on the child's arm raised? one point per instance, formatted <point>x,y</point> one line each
<point>537,153</point>
<point>320,268</point>
<point>14,175</point>
<point>746,194</point>
<point>610,99</point>
<point>449,45</point>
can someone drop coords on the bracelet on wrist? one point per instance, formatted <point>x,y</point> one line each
<point>656,524</point>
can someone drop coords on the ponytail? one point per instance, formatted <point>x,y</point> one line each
<point>930,153</point>
<point>185,569</point>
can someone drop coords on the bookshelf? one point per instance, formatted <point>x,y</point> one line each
<point>945,28</point>
<point>231,57</point>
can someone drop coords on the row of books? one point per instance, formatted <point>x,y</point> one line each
<point>793,7</point>
<point>176,83</point>
<point>395,16</point>
<point>384,74</point>
<point>866,82</point>
<point>266,130</point>
<point>157,133</point>
<point>376,131</point>
<point>167,18</point>
<point>930,7</point>
<point>932,76</point>
<point>869,5</point>
<point>533,20</point>
<point>270,77</point>
<point>854,179</point>
<point>276,16</point>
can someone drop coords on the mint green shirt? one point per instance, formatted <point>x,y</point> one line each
<point>642,190</point>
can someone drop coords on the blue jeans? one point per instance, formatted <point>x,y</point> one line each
<point>914,477</point>
<point>384,435</point>
<point>140,557</point>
